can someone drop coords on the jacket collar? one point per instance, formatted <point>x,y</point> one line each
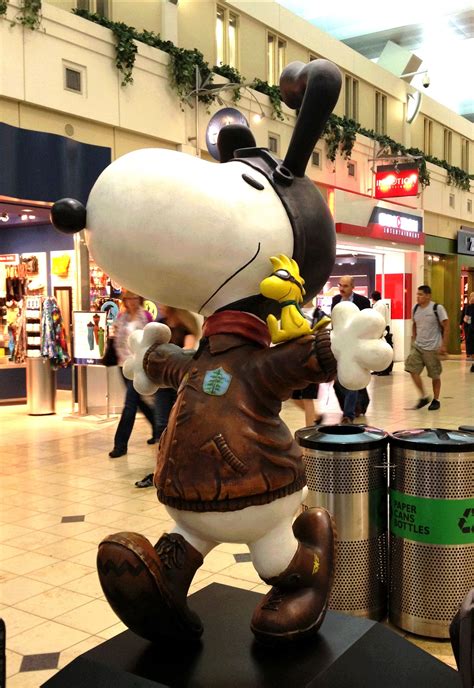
<point>228,329</point>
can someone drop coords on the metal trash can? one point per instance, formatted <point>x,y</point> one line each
<point>431,527</point>
<point>346,472</point>
<point>40,387</point>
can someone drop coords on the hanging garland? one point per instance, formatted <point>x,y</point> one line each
<point>29,14</point>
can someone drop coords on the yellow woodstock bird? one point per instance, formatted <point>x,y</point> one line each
<point>285,285</point>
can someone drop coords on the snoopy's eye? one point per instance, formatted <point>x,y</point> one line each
<point>253,182</point>
<point>282,274</point>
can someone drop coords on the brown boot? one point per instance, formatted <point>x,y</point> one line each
<point>146,586</point>
<point>296,605</point>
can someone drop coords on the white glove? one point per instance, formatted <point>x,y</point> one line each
<point>139,343</point>
<point>357,344</point>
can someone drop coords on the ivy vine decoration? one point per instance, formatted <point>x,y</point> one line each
<point>273,92</point>
<point>29,15</point>
<point>3,7</point>
<point>339,133</point>
<point>234,76</point>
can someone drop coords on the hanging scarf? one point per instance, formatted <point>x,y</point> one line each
<point>53,336</point>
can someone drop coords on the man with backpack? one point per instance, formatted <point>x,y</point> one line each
<point>429,341</point>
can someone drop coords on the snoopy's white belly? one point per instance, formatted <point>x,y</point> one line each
<point>244,526</point>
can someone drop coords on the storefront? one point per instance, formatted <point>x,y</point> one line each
<point>381,245</point>
<point>36,261</point>
<point>449,270</point>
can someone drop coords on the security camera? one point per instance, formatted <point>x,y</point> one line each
<point>426,81</point>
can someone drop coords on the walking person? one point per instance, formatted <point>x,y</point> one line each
<point>307,398</point>
<point>133,317</point>
<point>429,342</point>
<point>382,308</point>
<point>353,401</point>
<point>467,323</point>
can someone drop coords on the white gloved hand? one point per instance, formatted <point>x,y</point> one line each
<point>139,343</point>
<point>357,344</point>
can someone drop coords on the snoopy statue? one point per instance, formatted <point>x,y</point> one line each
<point>199,236</point>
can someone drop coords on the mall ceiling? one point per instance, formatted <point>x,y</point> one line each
<point>439,33</point>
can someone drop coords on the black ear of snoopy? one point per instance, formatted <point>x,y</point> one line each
<point>68,215</point>
<point>231,138</point>
<point>314,89</point>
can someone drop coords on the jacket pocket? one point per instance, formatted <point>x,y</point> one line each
<point>218,445</point>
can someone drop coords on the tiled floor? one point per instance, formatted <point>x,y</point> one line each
<point>60,494</point>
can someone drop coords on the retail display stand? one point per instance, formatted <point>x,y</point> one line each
<point>90,338</point>
<point>348,652</point>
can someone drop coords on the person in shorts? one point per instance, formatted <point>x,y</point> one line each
<point>429,342</point>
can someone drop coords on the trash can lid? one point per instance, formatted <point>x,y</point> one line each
<point>433,439</point>
<point>341,437</point>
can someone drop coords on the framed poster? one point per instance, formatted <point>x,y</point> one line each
<point>90,336</point>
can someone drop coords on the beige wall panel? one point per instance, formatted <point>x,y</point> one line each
<point>149,105</point>
<point>11,59</point>
<point>9,112</point>
<point>440,225</point>
<point>140,14</point>
<point>44,74</point>
<point>37,119</point>
<point>127,141</point>
<point>295,51</point>
<point>196,27</point>
<point>66,5</point>
<point>395,118</point>
<point>253,49</point>
<point>366,104</point>
<point>437,149</point>
<point>414,136</point>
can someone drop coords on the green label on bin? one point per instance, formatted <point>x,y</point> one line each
<point>434,521</point>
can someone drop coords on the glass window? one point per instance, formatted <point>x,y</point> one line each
<point>465,154</point>
<point>271,58</point>
<point>448,144</point>
<point>220,33</point>
<point>276,58</point>
<point>427,135</point>
<point>380,113</point>
<point>351,97</point>
<point>232,41</point>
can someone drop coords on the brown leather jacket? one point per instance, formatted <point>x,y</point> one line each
<point>225,447</point>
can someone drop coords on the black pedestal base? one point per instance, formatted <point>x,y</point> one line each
<point>347,653</point>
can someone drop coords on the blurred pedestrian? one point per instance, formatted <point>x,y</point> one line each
<point>352,401</point>
<point>382,308</point>
<point>467,323</point>
<point>132,317</point>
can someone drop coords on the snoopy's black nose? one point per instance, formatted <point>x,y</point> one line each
<point>68,215</point>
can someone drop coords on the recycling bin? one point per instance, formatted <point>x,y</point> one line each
<point>346,472</point>
<point>431,527</point>
<point>40,387</point>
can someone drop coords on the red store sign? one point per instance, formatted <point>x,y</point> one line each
<point>389,225</point>
<point>396,182</point>
<point>10,258</point>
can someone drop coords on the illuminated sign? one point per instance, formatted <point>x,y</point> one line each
<point>466,241</point>
<point>396,226</point>
<point>394,181</point>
